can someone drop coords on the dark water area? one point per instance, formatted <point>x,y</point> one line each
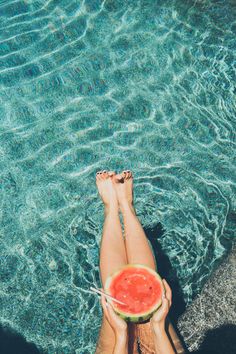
<point>14,343</point>
<point>220,340</point>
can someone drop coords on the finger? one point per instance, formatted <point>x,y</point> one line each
<point>116,319</point>
<point>104,306</point>
<point>168,293</point>
<point>113,317</point>
<point>164,307</point>
<point>162,312</point>
<point>111,310</point>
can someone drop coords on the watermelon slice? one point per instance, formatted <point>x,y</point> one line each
<point>139,287</point>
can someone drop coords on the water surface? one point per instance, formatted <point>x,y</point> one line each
<point>90,85</point>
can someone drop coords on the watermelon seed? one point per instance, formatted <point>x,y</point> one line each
<point>150,287</point>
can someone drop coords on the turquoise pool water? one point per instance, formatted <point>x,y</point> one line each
<point>88,85</point>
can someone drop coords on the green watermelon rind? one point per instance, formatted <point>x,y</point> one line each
<point>141,317</point>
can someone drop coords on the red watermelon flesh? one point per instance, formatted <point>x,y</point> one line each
<point>140,288</point>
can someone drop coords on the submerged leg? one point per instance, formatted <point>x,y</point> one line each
<point>138,248</point>
<point>112,250</point>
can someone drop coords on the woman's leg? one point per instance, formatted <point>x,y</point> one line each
<point>112,250</point>
<point>137,245</point>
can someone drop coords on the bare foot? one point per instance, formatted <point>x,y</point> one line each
<point>106,190</point>
<point>124,189</point>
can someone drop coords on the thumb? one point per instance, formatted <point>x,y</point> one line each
<point>164,308</point>
<point>162,312</point>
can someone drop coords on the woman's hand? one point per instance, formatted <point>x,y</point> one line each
<point>158,319</point>
<point>118,325</point>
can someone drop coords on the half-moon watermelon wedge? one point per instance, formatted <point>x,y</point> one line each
<point>139,287</point>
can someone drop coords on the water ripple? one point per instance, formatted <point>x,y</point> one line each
<point>98,84</point>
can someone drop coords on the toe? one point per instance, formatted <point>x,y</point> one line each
<point>125,174</point>
<point>102,175</point>
<point>118,178</point>
<point>98,175</point>
<point>111,173</point>
<point>129,174</point>
<point>105,174</point>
